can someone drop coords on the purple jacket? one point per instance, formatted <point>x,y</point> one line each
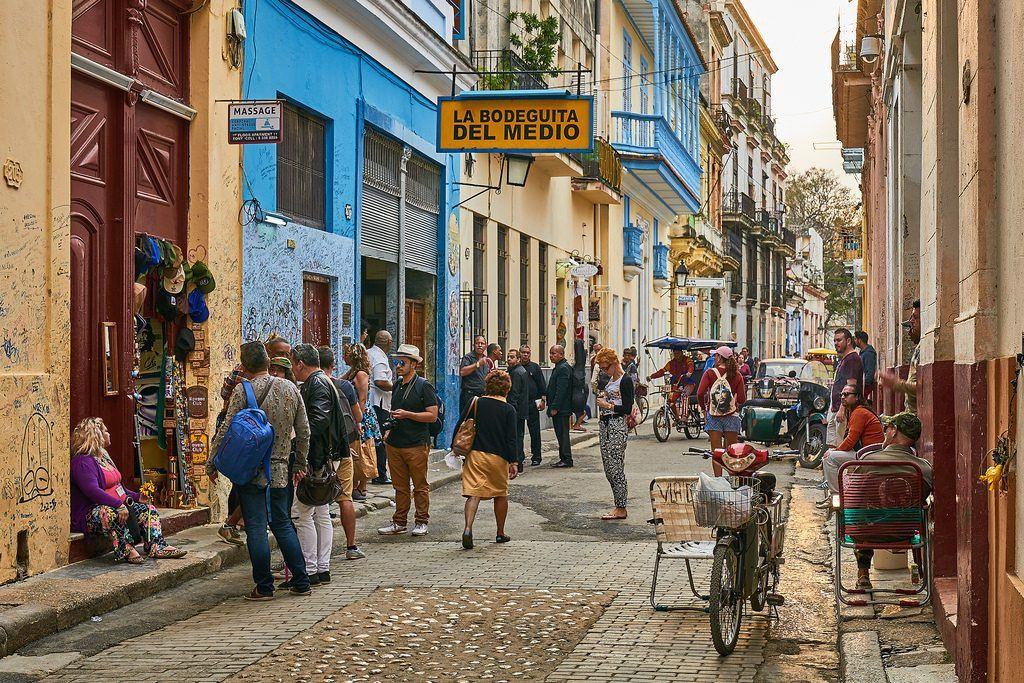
<point>87,490</point>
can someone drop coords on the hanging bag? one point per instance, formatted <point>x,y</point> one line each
<point>462,442</point>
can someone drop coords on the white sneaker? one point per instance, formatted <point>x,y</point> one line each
<point>419,530</point>
<point>392,530</point>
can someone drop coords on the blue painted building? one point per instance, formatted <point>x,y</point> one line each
<point>348,221</point>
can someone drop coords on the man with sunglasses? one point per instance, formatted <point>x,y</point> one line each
<point>413,410</point>
<point>865,429</point>
<point>849,373</point>
<point>908,387</point>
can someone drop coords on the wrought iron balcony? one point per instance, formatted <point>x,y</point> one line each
<point>722,119</point>
<point>632,254</point>
<point>789,239</point>
<point>661,271</point>
<point>739,90</point>
<point>739,204</point>
<point>735,285</point>
<point>643,138</point>
<point>602,164</point>
<point>505,70</point>
<point>735,246</point>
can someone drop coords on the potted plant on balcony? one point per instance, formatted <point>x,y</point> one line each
<point>534,42</point>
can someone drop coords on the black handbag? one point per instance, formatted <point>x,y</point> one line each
<point>319,487</point>
<point>133,525</point>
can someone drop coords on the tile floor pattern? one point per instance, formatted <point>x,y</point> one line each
<point>629,642</point>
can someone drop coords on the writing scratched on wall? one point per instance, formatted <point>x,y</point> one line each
<point>36,458</point>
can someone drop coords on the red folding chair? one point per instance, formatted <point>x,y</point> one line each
<point>882,506</point>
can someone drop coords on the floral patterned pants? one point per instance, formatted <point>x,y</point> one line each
<point>103,520</point>
<point>613,456</point>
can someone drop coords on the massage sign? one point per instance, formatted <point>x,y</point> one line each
<point>474,122</point>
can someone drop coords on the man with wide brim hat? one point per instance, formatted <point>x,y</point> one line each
<point>414,407</point>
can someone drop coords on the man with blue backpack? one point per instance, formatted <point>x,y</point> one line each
<point>251,448</point>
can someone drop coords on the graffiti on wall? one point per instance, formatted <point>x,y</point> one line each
<point>36,458</point>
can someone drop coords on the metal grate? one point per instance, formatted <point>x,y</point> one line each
<point>423,184</point>
<point>542,317</point>
<point>524,290</point>
<point>301,176</point>
<point>382,158</point>
<point>474,318</point>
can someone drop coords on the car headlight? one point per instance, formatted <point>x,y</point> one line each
<point>819,403</point>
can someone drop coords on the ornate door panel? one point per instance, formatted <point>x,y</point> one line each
<point>92,30</point>
<point>100,320</point>
<point>160,48</point>
<point>160,174</point>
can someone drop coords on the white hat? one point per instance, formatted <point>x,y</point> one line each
<point>409,351</point>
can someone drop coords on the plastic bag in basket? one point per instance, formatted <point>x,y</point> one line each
<point>717,503</point>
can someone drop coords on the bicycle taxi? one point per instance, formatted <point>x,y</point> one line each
<point>671,413</point>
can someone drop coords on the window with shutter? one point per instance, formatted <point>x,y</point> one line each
<point>301,168</point>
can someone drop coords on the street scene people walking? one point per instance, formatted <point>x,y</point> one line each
<point>615,403</point>
<point>559,402</point>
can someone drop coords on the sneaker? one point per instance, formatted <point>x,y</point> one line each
<point>230,535</point>
<point>354,554</point>
<point>358,496</point>
<point>419,530</point>
<point>823,504</point>
<point>380,481</point>
<point>296,591</point>
<point>277,566</point>
<point>314,579</point>
<point>323,577</point>
<point>391,530</point>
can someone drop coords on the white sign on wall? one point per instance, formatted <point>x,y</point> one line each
<point>254,122</point>
<point>709,282</point>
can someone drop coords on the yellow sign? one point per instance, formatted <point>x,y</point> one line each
<point>510,124</point>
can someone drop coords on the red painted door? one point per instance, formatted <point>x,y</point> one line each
<point>128,176</point>
<point>416,328</point>
<point>316,311</point>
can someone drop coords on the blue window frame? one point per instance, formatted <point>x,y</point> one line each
<point>627,72</point>
<point>643,86</point>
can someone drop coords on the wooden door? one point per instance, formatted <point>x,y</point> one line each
<point>99,314</point>
<point>416,328</point>
<point>316,311</point>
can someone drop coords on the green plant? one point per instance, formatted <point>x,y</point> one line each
<point>538,41</point>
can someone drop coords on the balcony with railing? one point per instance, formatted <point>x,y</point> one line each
<point>737,206</point>
<point>739,92</point>
<point>505,70</point>
<point>652,151</point>
<point>788,242</point>
<point>632,251</point>
<point>735,285</point>
<point>722,119</point>
<point>660,269</point>
<point>734,247</point>
<point>601,180</point>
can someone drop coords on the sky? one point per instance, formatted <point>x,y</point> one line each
<point>799,34</point>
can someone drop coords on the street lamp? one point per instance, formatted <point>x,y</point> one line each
<point>871,48</point>
<point>518,167</point>
<point>682,272</point>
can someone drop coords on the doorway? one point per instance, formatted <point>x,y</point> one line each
<point>316,310</point>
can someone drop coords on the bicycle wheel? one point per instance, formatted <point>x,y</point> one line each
<point>760,595</point>
<point>694,424</point>
<point>662,425</point>
<point>644,407</point>
<point>726,602</point>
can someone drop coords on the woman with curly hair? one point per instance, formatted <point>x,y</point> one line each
<point>615,403</point>
<point>100,504</point>
<point>722,391</point>
<point>494,457</point>
<point>358,362</point>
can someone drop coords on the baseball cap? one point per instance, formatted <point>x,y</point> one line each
<point>197,309</point>
<point>185,344</point>
<point>282,362</point>
<point>724,351</point>
<point>203,278</point>
<point>906,423</point>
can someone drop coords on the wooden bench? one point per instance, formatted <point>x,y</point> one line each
<point>679,536</point>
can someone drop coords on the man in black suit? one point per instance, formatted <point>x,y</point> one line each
<point>538,388</point>
<point>560,403</point>
<point>519,398</point>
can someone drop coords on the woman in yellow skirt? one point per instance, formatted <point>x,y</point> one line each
<point>492,461</point>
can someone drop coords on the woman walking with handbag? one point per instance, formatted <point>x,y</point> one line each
<point>366,463</point>
<point>486,435</point>
<point>615,404</point>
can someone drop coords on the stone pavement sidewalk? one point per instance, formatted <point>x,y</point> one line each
<point>56,600</point>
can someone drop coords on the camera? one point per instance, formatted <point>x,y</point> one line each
<point>386,423</point>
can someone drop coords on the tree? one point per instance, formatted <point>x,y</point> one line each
<point>817,198</point>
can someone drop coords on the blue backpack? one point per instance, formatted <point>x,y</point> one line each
<point>245,447</point>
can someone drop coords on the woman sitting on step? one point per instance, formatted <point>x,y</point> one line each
<point>100,504</point>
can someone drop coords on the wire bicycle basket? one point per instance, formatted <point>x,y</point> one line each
<point>731,506</point>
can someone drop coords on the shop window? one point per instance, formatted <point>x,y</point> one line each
<point>301,168</point>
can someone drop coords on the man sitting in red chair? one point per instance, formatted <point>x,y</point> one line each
<point>901,432</point>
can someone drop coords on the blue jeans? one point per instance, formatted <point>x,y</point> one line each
<point>254,500</point>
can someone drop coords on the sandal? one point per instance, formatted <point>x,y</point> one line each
<point>138,559</point>
<point>611,517</point>
<point>864,582</point>
<point>501,538</point>
<point>168,553</point>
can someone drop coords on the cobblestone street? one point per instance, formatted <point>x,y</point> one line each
<point>567,600</point>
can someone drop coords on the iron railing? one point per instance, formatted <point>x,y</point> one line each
<point>735,285</point>
<point>722,119</point>
<point>735,246</point>
<point>474,317</point>
<point>602,164</point>
<point>789,238</point>
<point>505,70</point>
<point>739,203</point>
<point>739,90</point>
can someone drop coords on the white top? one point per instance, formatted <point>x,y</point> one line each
<point>613,394</point>
<point>380,369</point>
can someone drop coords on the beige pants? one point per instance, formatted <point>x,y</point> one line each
<point>345,477</point>
<point>406,464</point>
